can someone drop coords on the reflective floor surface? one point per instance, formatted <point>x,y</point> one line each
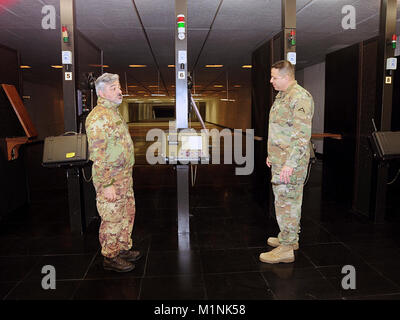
<point>218,259</point>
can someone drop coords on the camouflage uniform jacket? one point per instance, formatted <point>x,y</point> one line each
<point>289,129</point>
<point>110,143</point>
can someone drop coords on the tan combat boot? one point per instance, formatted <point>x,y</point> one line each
<point>282,253</point>
<point>274,242</point>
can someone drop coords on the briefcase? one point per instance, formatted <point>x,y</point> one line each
<point>386,144</point>
<point>65,150</point>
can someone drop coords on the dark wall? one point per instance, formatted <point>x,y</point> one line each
<point>260,100</point>
<point>341,101</point>
<point>88,60</point>
<point>393,190</point>
<point>262,96</point>
<point>9,67</point>
<point>13,180</point>
<point>349,174</point>
<point>364,162</point>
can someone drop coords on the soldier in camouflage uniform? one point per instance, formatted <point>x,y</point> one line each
<point>111,150</point>
<point>289,135</point>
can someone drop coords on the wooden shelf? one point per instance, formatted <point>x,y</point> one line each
<point>11,146</point>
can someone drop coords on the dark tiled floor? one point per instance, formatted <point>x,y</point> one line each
<point>217,261</point>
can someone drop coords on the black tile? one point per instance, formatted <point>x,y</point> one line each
<point>389,270</point>
<point>183,287</point>
<point>314,234</point>
<point>300,284</point>
<point>230,260</point>
<point>66,266</point>
<point>96,270</point>
<point>64,245</point>
<point>16,268</point>
<point>173,241</point>
<point>220,240</point>
<point>5,288</point>
<point>395,296</point>
<point>204,225</point>
<point>367,281</point>
<point>330,254</point>
<point>108,289</point>
<point>301,261</point>
<point>33,290</point>
<point>211,212</point>
<point>378,252</point>
<point>237,286</point>
<point>15,247</point>
<point>168,263</point>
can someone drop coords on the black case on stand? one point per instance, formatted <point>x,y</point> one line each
<point>386,144</point>
<point>65,150</point>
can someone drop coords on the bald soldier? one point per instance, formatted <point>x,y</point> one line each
<point>112,153</point>
<point>289,135</point>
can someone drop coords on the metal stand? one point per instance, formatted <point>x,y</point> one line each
<point>182,173</point>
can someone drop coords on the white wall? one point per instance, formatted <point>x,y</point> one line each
<point>313,79</point>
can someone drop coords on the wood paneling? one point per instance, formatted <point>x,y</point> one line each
<point>20,110</point>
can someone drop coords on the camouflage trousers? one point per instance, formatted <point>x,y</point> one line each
<point>288,201</point>
<point>117,217</point>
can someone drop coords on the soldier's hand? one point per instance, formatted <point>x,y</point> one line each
<point>110,194</point>
<point>285,174</point>
<point>268,163</point>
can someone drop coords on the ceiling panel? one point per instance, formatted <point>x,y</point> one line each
<point>109,14</point>
<point>253,15</point>
<point>239,28</point>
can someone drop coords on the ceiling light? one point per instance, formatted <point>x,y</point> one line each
<point>218,86</point>
<point>153,86</point>
<point>137,66</point>
<point>214,65</point>
<point>56,67</point>
<point>158,95</point>
<point>132,86</point>
<point>99,65</point>
<point>237,86</point>
<point>171,66</point>
<point>25,67</point>
<point>228,100</point>
<point>247,66</point>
